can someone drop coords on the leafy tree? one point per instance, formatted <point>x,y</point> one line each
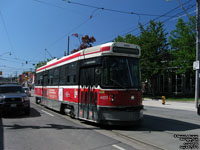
<point>86,42</point>
<point>41,63</point>
<point>154,46</point>
<point>153,42</point>
<point>182,41</point>
<point>128,39</point>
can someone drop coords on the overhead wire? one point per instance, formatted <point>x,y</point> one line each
<point>168,12</point>
<point>173,16</point>
<point>158,17</point>
<point>111,10</point>
<point>9,40</point>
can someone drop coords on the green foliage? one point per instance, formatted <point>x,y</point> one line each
<point>41,63</point>
<point>153,42</point>
<point>128,39</point>
<point>182,41</point>
<point>154,47</point>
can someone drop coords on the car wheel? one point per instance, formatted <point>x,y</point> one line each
<point>37,101</point>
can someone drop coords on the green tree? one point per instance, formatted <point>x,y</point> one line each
<point>129,38</point>
<point>154,46</point>
<point>41,63</point>
<point>182,42</point>
<point>153,42</point>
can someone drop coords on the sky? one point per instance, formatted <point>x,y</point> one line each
<point>34,30</point>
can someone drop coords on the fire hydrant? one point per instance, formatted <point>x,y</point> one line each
<point>163,100</point>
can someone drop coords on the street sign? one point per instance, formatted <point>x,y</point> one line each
<point>195,65</point>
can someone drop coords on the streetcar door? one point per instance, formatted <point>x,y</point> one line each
<point>87,93</point>
<point>44,89</point>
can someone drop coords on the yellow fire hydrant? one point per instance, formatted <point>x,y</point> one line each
<point>163,100</point>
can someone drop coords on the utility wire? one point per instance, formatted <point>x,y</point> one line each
<point>112,10</point>
<point>175,15</point>
<point>157,18</point>
<point>168,12</point>
<point>9,40</point>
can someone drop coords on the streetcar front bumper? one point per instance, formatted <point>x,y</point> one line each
<point>121,115</point>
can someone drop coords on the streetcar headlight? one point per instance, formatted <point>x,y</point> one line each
<point>112,98</point>
<point>132,97</point>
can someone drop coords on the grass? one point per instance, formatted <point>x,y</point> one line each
<point>180,99</point>
<point>184,99</point>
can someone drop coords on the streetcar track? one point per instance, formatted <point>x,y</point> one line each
<point>138,140</point>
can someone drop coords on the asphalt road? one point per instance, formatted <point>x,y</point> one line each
<point>48,130</point>
<point>45,129</point>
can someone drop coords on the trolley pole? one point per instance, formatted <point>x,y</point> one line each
<point>197,58</point>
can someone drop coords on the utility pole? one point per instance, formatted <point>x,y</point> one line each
<point>197,58</point>
<point>181,5</point>
<point>68,46</point>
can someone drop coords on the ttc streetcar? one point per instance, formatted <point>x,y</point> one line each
<point>101,84</point>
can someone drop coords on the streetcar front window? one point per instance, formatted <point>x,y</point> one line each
<point>121,72</point>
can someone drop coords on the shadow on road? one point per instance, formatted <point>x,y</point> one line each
<point>47,126</point>
<point>153,123</point>
<point>20,114</point>
<point>165,124</point>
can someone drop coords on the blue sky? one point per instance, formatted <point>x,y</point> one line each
<point>28,27</point>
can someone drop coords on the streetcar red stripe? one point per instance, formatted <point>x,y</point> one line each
<point>102,49</point>
<point>60,61</point>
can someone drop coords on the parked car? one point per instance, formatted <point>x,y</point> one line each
<point>27,91</point>
<point>13,97</point>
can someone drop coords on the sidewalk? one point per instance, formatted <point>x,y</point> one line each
<point>170,104</point>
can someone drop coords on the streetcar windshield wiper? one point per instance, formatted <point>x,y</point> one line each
<point>116,82</point>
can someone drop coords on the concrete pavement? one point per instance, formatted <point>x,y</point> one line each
<point>190,106</point>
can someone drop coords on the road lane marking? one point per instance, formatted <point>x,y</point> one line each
<point>118,147</point>
<point>48,113</point>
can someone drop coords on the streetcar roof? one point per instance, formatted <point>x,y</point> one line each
<point>90,52</point>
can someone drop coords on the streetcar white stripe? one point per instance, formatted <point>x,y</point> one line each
<point>47,113</point>
<point>118,147</point>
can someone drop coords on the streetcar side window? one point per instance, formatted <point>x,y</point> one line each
<point>45,81</point>
<point>71,73</point>
<point>51,73</point>
<point>41,79</point>
<point>56,76</point>
<point>36,83</point>
<point>63,75</point>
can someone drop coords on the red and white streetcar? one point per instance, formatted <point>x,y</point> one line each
<point>100,84</point>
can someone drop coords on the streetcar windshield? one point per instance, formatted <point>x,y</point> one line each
<point>121,72</point>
